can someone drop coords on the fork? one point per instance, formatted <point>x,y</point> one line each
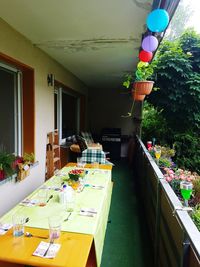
<point>51,243</point>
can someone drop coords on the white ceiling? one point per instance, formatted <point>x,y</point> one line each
<point>98,41</point>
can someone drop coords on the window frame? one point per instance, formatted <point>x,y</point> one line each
<point>28,102</point>
<point>17,107</point>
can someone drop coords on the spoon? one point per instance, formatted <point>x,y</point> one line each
<point>27,234</point>
<point>68,217</point>
<point>51,196</point>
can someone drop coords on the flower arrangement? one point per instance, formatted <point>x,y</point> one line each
<point>75,174</point>
<point>174,177</point>
<point>165,160</point>
<point>6,164</point>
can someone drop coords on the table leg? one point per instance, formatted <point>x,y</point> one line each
<point>92,262</point>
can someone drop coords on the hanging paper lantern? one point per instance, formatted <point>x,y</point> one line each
<point>145,56</point>
<point>150,43</point>
<point>157,20</point>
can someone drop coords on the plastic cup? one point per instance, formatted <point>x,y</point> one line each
<point>18,224</point>
<point>54,227</point>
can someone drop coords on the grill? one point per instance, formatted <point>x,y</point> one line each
<point>111,141</point>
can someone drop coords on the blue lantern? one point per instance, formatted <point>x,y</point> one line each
<point>157,20</point>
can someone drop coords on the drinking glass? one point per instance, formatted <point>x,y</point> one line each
<point>80,162</point>
<point>42,197</point>
<point>186,191</point>
<point>18,224</point>
<point>157,153</point>
<point>54,227</point>
<point>95,165</point>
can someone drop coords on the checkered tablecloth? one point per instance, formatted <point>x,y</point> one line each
<point>94,155</point>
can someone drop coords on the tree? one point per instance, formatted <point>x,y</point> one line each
<point>178,77</point>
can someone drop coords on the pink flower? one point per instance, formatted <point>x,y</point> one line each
<point>182,177</point>
<point>168,179</point>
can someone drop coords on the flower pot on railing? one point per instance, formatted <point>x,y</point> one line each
<point>136,96</point>
<point>143,87</point>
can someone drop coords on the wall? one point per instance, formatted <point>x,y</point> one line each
<point>18,47</point>
<point>106,108</point>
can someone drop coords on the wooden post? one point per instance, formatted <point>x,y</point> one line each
<point>137,120</point>
<point>137,117</point>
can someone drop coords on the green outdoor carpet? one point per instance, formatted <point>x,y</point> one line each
<point>126,242</point>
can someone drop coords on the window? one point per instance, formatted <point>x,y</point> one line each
<point>17,106</point>
<point>10,109</point>
<point>67,113</point>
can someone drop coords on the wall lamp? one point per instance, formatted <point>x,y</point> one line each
<point>50,79</point>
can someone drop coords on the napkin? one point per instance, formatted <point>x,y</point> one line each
<point>43,246</point>
<point>97,187</point>
<point>4,227</point>
<point>85,213</point>
<point>90,212</point>
<point>29,202</point>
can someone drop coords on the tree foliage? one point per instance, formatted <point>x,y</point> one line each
<point>178,77</point>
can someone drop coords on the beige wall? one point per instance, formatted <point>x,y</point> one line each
<point>16,46</point>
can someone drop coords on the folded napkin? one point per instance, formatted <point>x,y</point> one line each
<point>4,227</point>
<point>85,213</point>
<point>97,187</point>
<point>29,202</point>
<point>43,247</point>
<point>90,212</point>
<point>94,186</point>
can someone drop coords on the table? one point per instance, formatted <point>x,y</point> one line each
<point>81,238</point>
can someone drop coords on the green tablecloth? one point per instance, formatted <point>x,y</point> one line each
<point>88,198</point>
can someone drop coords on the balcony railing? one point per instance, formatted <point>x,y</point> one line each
<point>175,238</point>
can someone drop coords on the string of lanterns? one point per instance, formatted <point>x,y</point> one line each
<point>157,21</point>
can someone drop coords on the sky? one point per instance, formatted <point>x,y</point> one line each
<point>194,20</point>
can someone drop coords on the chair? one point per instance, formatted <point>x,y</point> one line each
<point>81,142</point>
<point>88,137</point>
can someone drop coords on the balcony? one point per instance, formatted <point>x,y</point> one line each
<point>175,238</point>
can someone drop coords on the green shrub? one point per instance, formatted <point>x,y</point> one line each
<point>187,146</point>
<point>153,124</point>
<point>196,216</point>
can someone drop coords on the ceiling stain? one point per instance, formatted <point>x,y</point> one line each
<point>87,44</point>
<point>145,4</point>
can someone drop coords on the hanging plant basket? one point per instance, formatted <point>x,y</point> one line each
<point>143,87</point>
<point>137,96</point>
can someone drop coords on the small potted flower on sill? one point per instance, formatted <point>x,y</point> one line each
<point>6,165</point>
<point>24,165</point>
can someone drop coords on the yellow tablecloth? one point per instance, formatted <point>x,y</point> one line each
<point>88,198</point>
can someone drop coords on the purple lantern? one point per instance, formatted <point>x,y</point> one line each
<point>150,43</point>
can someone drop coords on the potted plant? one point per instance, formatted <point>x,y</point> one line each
<point>141,85</point>
<point>23,164</point>
<point>6,164</point>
